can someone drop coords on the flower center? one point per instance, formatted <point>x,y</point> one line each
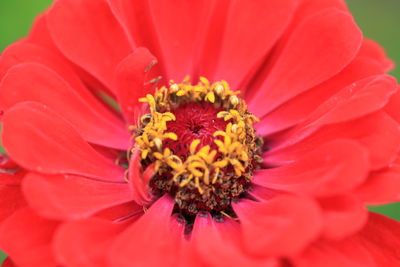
<point>194,121</point>
<point>202,143</point>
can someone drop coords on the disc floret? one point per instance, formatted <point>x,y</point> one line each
<point>201,175</point>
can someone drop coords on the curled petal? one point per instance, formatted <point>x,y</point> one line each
<point>129,82</point>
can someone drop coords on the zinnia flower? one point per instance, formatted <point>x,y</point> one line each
<point>246,133</point>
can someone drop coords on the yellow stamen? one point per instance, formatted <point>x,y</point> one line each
<point>203,166</point>
<point>228,216</point>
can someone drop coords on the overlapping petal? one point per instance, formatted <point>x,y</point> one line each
<point>343,215</point>
<point>376,245</point>
<point>72,196</point>
<point>40,140</point>
<point>130,81</point>
<point>380,237</point>
<point>299,108</point>
<point>302,65</point>
<point>81,109</point>
<point>154,234</point>
<point>34,235</point>
<point>272,227</point>
<point>95,43</point>
<point>225,241</point>
<point>84,242</point>
<point>367,131</point>
<point>11,197</point>
<point>331,169</point>
<point>240,52</point>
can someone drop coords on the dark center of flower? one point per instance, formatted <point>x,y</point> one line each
<point>202,143</point>
<point>194,121</point>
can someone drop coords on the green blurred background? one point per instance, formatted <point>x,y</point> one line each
<point>378,19</point>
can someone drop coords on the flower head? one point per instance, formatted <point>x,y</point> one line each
<point>202,143</point>
<point>209,133</point>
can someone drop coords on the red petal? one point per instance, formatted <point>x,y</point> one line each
<point>11,178</point>
<point>8,263</point>
<point>374,51</point>
<point>72,197</point>
<point>121,212</point>
<point>95,43</point>
<point>343,216</point>
<point>368,131</point>
<point>6,163</point>
<point>40,140</point>
<point>40,35</point>
<point>388,182</point>
<point>96,124</point>
<point>132,15</point>
<point>179,32</point>
<point>238,51</point>
<point>378,244</point>
<point>381,237</point>
<point>86,242</point>
<point>216,243</point>
<point>300,107</point>
<point>11,174</point>
<point>129,82</point>
<point>348,253</point>
<point>320,48</point>
<point>11,200</point>
<point>26,238</point>
<point>330,169</point>
<point>156,239</point>
<point>392,108</point>
<point>279,227</point>
<point>261,193</point>
<point>308,8</point>
<point>305,10</point>
<point>24,52</point>
<point>356,100</point>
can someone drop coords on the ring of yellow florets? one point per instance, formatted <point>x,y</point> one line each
<point>208,179</point>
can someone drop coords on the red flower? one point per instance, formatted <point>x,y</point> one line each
<point>184,179</point>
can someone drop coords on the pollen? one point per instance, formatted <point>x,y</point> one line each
<point>202,143</point>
